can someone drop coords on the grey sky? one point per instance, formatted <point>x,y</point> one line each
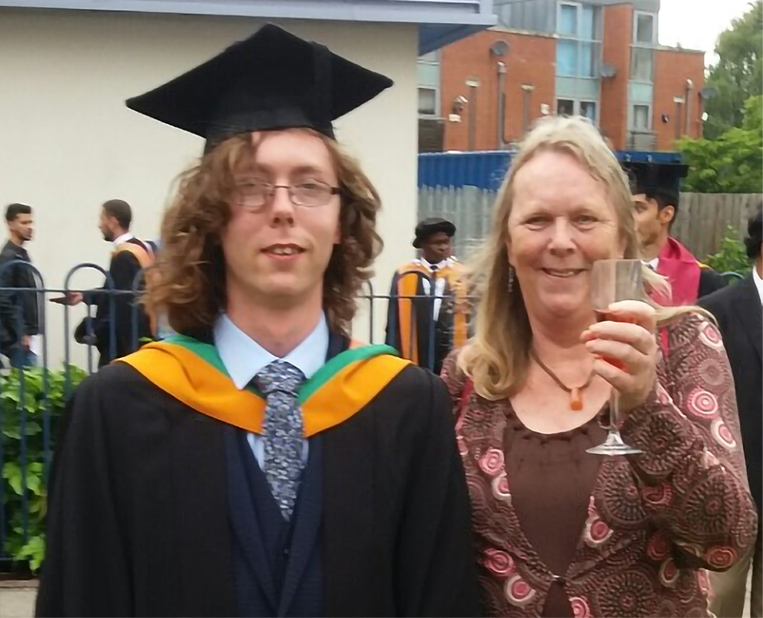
<point>696,24</point>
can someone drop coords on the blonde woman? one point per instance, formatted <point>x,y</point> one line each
<point>561,532</point>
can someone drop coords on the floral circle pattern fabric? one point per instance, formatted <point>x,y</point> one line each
<point>683,502</point>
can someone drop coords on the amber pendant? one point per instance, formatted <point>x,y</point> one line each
<point>576,400</point>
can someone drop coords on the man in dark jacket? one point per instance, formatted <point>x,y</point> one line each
<point>740,319</point>
<point>19,308</point>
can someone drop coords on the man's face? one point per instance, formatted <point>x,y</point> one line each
<point>22,227</point>
<point>277,254</point>
<point>651,222</point>
<point>106,225</point>
<point>437,248</point>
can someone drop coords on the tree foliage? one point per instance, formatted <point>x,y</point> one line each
<point>732,163</point>
<point>738,74</point>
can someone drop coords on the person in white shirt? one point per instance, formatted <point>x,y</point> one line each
<point>739,311</point>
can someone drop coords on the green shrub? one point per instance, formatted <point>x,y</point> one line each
<point>18,545</point>
<point>732,256</point>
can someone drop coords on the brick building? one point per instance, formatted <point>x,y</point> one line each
<point>597,58</point>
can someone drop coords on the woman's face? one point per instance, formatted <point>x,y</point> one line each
<point>561,222</point>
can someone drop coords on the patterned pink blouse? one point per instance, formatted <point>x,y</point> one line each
<point>653,522</point>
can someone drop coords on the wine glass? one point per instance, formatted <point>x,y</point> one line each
<point>613,281</point>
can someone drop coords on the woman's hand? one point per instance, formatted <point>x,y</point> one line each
<point>625,348</point>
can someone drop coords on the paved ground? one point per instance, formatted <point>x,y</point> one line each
<point>18,601</point>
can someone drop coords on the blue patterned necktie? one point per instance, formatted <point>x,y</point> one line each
<point>279,382</point>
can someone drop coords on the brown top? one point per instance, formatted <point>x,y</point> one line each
<point>650,524</point>
<point>552,478</point>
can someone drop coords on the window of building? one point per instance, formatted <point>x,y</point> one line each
<point>642,64</point>
<point>641,118</point>
<point>588,60</point>
<point>565,107</point>
<point>588,109</point>
<point>571,107</point>
<point>644,31</point>
<point>578,49</point>
<point>567,58</point>
<point>568,19</point>
<point>427,102</point>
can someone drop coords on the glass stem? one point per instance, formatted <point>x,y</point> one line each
<point>614,411</point>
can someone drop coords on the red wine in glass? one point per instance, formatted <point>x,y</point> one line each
<point>609,316</point>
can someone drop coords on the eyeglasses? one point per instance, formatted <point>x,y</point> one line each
<point>254,195</point>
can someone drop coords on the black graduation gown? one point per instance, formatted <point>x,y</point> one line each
<point>138,521</point>
<point>131,324</point>
<point>432,336</point>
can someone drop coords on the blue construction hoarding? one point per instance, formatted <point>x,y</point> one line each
<point>486,169</point>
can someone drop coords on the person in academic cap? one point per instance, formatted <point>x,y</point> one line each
<point>260,463</point>
<point>737,308</point>
<point>417,293</point>
<point>656,192</point>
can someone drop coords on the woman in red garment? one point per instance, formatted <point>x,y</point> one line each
<point>561,532</point>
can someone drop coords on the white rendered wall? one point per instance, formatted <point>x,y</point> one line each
<point>68,143</point>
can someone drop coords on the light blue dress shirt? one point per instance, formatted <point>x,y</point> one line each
<point>244,358</point>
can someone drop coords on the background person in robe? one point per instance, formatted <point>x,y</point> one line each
<point>417,293</point>
<point>738,309</point>
<point>259,464</point>
<point>130,256</point>
<point>561,532</point>
<point>656,193</point>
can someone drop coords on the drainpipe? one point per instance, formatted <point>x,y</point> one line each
<point>687,98</point>
<point>501,104</point>
<point>679,101</point>
<point>528,88</point>
<point>473,84</point>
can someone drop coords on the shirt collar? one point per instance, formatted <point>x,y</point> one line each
<point>120,240</point>
<point>439,266</point>
<point>758,283</point>
<point>244,358</point>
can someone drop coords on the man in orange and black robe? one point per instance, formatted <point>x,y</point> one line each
<point>420,291</point>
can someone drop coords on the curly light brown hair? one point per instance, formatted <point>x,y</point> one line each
<point>187,283</point>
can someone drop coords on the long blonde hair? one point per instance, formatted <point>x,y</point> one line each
<point>497,357</point>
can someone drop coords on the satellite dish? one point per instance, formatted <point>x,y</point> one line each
<point>499,48</point>
<point>708,92</point>
<point>608,70</point>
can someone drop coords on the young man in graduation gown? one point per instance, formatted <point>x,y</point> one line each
<point>259,463</point>
<point>417,293</point>
<point>656,191</point>
<point>738,310</point>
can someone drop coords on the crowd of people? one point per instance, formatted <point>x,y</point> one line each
<point>262,462</point>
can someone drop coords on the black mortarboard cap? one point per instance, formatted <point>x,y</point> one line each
<point>271,80</point>
<point>431,226</point>
<point>656,178</point>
